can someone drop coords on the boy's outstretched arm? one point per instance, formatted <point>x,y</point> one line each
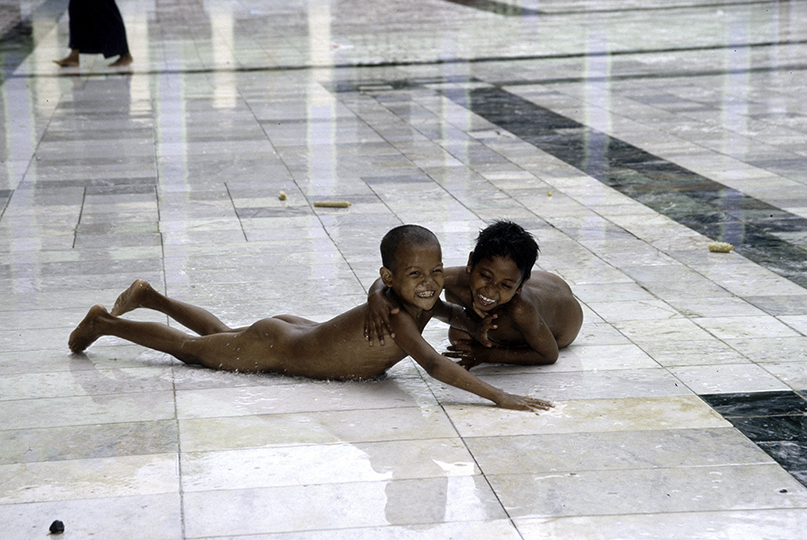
<point>408,337</point>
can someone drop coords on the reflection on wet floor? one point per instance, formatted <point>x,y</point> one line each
<point>709,208</point>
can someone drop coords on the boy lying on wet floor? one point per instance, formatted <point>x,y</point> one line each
<point>518,316</point>
<point>412,273</point>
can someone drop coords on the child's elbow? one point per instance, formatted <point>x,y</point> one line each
<point>549,357</point>
<point>435,369</point>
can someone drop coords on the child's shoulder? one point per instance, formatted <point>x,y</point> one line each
<point>525,304</point>
<point>455,276</point>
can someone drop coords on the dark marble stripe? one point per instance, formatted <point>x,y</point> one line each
<point>509,10</point>
<point>499,8</point>
<point>756,404</point>
<point>5,197</point>
<point>775,421</point>
<point>666,74</point>
<point>712,209</point>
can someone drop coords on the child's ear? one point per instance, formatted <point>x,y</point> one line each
<point>386,276</point>
<point>469,266</point>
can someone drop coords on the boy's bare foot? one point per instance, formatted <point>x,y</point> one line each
<point>124,60</point>
<point>131,298</point>
<point>86,332</point>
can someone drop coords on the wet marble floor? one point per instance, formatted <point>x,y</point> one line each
<point>625,135</point>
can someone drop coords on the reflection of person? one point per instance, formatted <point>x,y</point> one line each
<point>522,317</point>
<point>96,27</point>
<point>336,349</point>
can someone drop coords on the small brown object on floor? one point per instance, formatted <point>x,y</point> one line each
<point>331,204</point>
<point>720,247</point>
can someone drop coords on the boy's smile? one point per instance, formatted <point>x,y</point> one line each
<point>418,277</point>
<point>493,282</point>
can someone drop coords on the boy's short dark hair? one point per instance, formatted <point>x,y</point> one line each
<point>507,240</point>
<point>404,234</point>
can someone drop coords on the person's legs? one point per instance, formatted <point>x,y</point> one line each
<point>142,294</point>
<point>249,350</point>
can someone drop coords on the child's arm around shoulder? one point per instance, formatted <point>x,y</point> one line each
<point>408,337</point>
<point>377,317</point>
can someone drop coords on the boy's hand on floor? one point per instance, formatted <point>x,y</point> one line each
<point>523,403</point>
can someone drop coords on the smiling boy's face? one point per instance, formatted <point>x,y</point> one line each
<point>493,282</point>
<point>418,276</point>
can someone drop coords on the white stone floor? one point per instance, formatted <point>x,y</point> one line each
<point>171,171</point>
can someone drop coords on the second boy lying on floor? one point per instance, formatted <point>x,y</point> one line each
<point>519,316</point>
<point>413,274</point>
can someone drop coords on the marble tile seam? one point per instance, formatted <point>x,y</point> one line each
<point>105,73</point>
<point>510,10</point>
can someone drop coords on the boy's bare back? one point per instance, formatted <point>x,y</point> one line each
<point>336,349</point>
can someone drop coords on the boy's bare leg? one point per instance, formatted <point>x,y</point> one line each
<point>142,294</point>
<point>243,351</point>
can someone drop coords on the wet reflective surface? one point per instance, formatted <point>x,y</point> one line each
<point>625,135</point>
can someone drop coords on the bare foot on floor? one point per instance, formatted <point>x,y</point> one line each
<point>131,298</point>
<point>124,60</point>
<point>71,60</point>
<point>86,332</point>
<point>67,62</point>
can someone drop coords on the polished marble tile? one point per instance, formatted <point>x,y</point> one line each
<point>304,396</point>
<point>158,517</point>
<point>757,524</point>
<point>88,478</point>
<point>612,450</point>
<point>324,464</point>
<point>474,530</point>
<point>87,410</point>
<point>339,505</point>
<point>727,378</point>
<point>765,350</point>
<point>792,374</point>
<point>652,490</point>
<point>326,427</point>
<point>597,415</point>
<point>599,384</point>
<point>75,442</point>
<point>85,382</point>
